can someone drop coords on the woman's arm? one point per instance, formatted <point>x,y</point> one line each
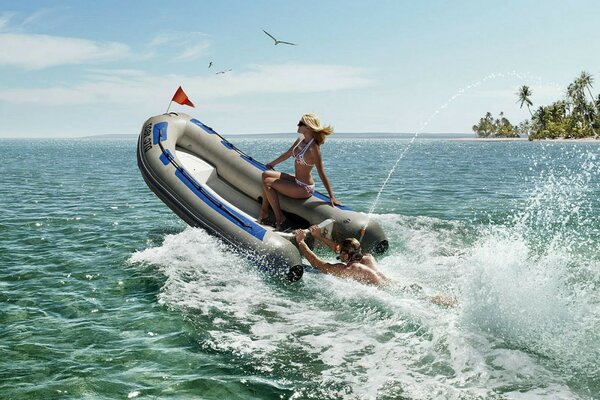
<point>323,176</point>
<point>283,156</point>
<point>279,159</point>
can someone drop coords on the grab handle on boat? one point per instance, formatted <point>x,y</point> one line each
<point>325,226</point>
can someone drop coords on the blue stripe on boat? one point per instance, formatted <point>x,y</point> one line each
<point>247,225</point>
<point>159,131</point>
<point>208,129</point>
<point>227,144</point>
<point>254,162</point>
<point>326,199</point>
<point>166,157</point>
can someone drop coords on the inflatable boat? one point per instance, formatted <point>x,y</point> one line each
<point>210,183</point>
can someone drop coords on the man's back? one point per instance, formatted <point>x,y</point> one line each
<point>366,271</point>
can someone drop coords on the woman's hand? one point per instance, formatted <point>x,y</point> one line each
<point>334,201</point>
<point>270,165</point>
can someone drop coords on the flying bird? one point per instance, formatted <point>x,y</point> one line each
<point>210,64</point>
<point>222,72</point>
<point>277,41</point>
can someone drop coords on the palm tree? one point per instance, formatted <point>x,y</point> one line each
<point>571,96</point>
<point>524,93</point>
<point>576,98</point>
<point>586,80</point>
<point>540,119</point>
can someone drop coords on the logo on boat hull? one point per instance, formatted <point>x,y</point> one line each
<point>147,139</point>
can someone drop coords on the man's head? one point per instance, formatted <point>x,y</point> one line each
<point>350,250</point>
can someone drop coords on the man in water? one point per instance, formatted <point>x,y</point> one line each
<point>354,264</point>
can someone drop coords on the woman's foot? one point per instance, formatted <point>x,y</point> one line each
<point>280,226</point>
<point>262,217</point>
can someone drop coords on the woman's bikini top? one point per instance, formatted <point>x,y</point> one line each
<point>300,156</point>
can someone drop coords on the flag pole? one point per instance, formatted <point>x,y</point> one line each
<point>169,107</point>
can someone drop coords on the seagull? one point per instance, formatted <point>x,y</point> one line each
<point>278,41</point>
<point>222,72</point>
<point>210,64</point>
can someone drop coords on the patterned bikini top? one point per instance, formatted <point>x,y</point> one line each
<point>300,156</point>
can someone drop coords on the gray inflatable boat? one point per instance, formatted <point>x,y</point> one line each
<point>210,183</point>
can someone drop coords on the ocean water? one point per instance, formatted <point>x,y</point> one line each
<point>106,294</point>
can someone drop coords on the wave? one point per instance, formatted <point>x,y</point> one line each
<point>526,322</point>
<point>533,284</point>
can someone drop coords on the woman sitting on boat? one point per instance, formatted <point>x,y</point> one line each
<point>307,154</point>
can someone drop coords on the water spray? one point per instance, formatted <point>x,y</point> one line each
<point>462,91</point>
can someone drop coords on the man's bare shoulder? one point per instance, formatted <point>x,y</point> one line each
<point>359,264</point>
<point>366,271</point>
<point>339,269</point>
<point>369,258</point>
<point>360,267</point>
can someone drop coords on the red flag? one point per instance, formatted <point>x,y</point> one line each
<point>181,98</point>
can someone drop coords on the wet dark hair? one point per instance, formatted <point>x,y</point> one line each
<point>351,247</point>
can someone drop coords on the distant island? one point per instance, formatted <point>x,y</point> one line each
<point>574,117</point>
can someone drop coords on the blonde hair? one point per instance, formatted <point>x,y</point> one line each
<point>319,132</point>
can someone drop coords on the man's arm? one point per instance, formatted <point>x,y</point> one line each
<point>312,257</point>
<point>316,233</point>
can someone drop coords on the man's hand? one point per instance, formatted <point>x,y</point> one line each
<point>315,231</point>
<point>300,235</point>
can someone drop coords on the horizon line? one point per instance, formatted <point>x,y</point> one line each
<point>132,135</point>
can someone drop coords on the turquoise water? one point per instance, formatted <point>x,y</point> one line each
<point>106,294</point>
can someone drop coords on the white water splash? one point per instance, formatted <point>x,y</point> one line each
<point>532,284</point>
<point>332,338</point>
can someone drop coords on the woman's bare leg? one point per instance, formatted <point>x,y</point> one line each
<point>287,188</point>
<point>264,208</point>
<point>273,199</point>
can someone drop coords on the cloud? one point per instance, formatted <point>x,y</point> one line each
<point>124,87</point>
<point>5,19</point>
<point>288,78</point>
<point>193,52</point>
<point>42,51</point>
<point>188,45</point>
<point>40,15</point>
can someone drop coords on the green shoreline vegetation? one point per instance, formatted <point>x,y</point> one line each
<point>573,117</point>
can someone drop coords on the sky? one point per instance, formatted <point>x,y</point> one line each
<point>76,69</point>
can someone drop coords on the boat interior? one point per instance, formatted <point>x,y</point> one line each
<point>206,174</point>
